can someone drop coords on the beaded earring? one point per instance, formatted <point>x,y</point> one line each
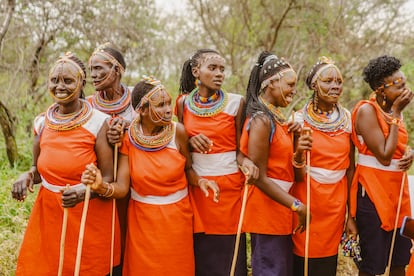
<point>315,101</point>
<point>384,100</point>
<point>197,83</point>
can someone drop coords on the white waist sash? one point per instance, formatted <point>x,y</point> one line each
<point>372,162</point>
<point>285,185</point>
<point>325,176</point>
<point>215,164</point>
<point>160,200</point>
<point>58,189</point>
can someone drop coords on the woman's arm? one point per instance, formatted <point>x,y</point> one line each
<point>259,147</point>
<point>192,177</point>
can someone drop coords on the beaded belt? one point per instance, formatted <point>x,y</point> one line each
<point>160,200</point>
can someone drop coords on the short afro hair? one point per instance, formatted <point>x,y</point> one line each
<point>379,68</point>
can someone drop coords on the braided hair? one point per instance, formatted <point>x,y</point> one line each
<point>379,68</point>
<point>187,80</point>
<point>267,66</point>
<point>83,67</point>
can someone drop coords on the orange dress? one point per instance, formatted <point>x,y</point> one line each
<point>160,231</point>
<point>328,190</point>
<point>219,165</point>
<point>381,183</point>
<point>62,159</point>
<point>260,208</point>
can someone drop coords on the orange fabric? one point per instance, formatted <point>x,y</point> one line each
<point>410,269</point>
<point>222,217</point>
<point>159,237</point>
<point>62,159</point>
<point>327,201</point>
<point>382,187</point>
<point>260,215</point>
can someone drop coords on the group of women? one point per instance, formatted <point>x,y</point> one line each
<point>179,185</point>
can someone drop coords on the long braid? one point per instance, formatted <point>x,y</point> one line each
<point>187,80</point>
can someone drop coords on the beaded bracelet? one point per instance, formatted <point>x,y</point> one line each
<point>295,205</point>
<point>113,190</point>
<point>108,190</point>
<point>395,121</point>
<point>297,164</point>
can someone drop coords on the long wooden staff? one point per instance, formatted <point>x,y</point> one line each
<point>244,200</point>
<point>306,265</point>
<point>113,212</point>
<point>62,238</point>
<point>397,217</point>
<point>82,229</point>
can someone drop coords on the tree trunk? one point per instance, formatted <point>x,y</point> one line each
<point>9,131</point>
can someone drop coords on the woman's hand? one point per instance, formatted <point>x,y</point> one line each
<point>250,170</point>
<point>116,130</point>
<point>92,176</point>
<point>206,184</point>
<point>201,143</point>
<point>71,197</point>
<point>351,228</point>
<point>406,161</point>
<point>23,183</point>
<point>305,141</point>
<point>402,101</point>
<point>301,212</point>
<point>295,128</point>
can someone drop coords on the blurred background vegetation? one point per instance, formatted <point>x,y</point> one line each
<point>156,41</point>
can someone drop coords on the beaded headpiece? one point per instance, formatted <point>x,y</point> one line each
<point>320,66</point>
<point>100,50</point>
<point>267,67</point>
<point>67,58</point>
<point>157,87</point>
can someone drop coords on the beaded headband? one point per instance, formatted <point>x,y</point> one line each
<point>324,63</point>
<point>208,56</point>
<point>267,68</point>
<point>66,58</point>
<point>157,87</point>
<point>100,51</point>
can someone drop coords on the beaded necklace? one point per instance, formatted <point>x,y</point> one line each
<point>112,107</point>
<point>151,142</point>
<point>206,107</point>
<point>338,120</point>
<point>277,113</point>
<point>63,122</point>
<point>387,116</point>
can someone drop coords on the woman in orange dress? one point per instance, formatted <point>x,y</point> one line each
<point>70,135</point>
<point>154,165</point>
<point>213,120</point>
<point>381,139</point>
<point>267,139</point>
<point>112,97</point>
<point>331,171</point>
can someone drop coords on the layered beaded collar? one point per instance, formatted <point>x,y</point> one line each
<point>206,107</point>
<point>112,107</point>
<point>64,122</point>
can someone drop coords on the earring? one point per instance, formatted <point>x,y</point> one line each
<point>197,83</point>
<point>315,101</point>
<point>384,100</point>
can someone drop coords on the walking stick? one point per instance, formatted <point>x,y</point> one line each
<point>62,237</point>
<point>82,229</point>
<point>394,233</point>
<point>244,200</point>
<point>308,201</point>
<point>113,212</point>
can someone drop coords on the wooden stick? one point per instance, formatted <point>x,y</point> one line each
<point>62,237</point>
<point>243,207</point>
<point>82,229</point>
<point>397,217</point>
<point>307,212</point>
<point>111,267</point>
